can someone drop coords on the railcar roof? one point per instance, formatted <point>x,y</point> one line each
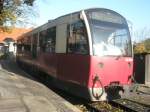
<point>86,10</point>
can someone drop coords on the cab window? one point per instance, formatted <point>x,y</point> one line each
<point>77,41</point>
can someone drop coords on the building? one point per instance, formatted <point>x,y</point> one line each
<point>9,39</point>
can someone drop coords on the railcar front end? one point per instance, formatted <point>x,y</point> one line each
<point>111,61</point>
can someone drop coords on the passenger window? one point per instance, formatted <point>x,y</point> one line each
<point>27,44</point>
<point>42,40</point>
<point>48,40</point>
<point>27,47</point>
<point>19,46</point>
<point>77,38</point>
<point>34,45</point>
<point>24,45</point>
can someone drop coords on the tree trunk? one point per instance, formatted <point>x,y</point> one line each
<point>1,9</point>
<point>1,6</point>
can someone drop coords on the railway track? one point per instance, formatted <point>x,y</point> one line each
<point>130,106</point>
<point>119,105</point>
<point>102,107</point>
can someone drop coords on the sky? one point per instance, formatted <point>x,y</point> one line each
<point>135,11</point>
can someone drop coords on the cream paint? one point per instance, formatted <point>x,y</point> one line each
<point>88,31</point>
<point>61,38</point>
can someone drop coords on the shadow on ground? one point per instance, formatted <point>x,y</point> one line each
<point>9,64</point>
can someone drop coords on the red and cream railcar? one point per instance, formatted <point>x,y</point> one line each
<point>86,52</point>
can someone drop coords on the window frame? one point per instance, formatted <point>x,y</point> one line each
<point>45,39</point>
<point>69,26</point>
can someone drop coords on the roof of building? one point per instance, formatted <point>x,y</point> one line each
<point>15,33</point>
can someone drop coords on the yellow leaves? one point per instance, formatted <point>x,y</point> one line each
<point>147,45</point>
<point>6,29</point>
<point>142,47</point>
<point>139,48</point>
<point>7,18</point>
<point>12,10</point>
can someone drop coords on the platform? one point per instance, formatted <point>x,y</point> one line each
<point>21,93</point>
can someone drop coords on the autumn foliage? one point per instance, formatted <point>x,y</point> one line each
<point>142,47</point>
<point>12,11</point>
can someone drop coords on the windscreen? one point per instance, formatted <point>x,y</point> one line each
<point>109,33</point>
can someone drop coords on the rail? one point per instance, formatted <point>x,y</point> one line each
<point>130,106</point>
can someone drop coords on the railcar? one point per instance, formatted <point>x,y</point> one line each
<point>87,53</point>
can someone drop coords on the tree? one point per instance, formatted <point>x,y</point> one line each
<point>139,48</point>
<point>142,47</point>
<point>147,45</point>
<point>12,11</point>
<point>143,40</point>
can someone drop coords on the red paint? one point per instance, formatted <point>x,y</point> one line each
<point>82,69</point>
<point>74,68</point>
<point>50,63</point>
<point>114,69</point>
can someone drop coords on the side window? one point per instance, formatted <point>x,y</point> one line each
<point>77,38</point>
<point>27,44</point>
<point>19,46</point>
<point>27,48</point>
<point>24,44</point>
<point>34,45</point>
<point>50,40</point>
<point>42,41</point>
<point>47,40</point>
